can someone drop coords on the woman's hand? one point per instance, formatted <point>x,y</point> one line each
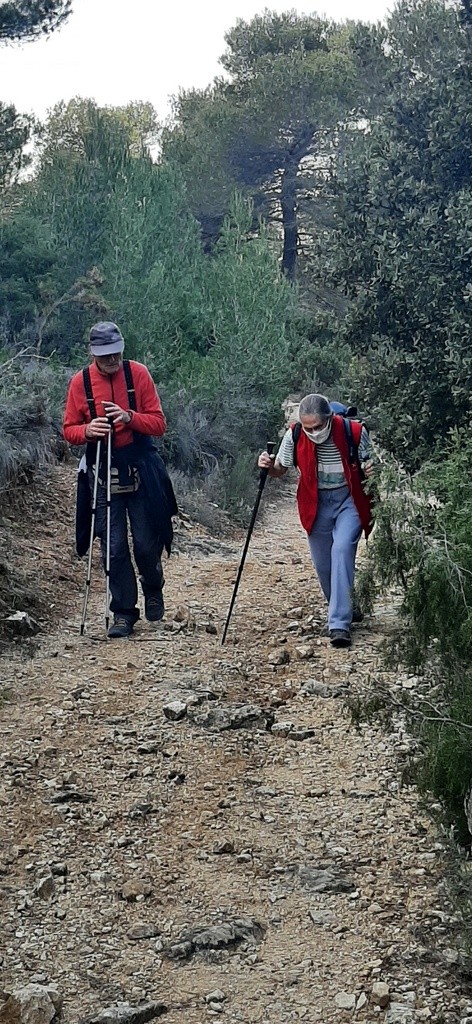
<point>265,461</point>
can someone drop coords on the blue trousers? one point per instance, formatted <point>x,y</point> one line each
<point>147,548</point>
<point>333,545</point>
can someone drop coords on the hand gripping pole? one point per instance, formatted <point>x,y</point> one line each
<point>262,479</point>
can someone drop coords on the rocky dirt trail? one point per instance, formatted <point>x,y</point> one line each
<point>200,831</point>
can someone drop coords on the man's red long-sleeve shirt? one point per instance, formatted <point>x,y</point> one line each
<point>149,418</point>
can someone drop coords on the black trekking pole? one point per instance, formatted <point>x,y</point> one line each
<point>262,479</point>
<point>92,536</point>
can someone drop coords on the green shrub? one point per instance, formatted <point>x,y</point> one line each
<point>31,394</point>
<point>422,545</point>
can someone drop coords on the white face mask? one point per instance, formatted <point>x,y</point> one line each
<point>321,434</point>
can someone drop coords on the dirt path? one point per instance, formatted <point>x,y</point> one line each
<point>121,830</point>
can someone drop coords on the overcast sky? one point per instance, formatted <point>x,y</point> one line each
<point>115,51</point>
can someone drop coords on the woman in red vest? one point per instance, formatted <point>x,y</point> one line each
<point>332,504</point>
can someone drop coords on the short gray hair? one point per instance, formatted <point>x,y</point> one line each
<point>314,405</point>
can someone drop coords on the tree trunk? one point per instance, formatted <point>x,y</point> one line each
<point>288,200</point>
<point>467,17</point>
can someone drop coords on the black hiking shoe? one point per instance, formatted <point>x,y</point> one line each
<point>121,627</point>
<point>154,607</point>
<point>340,637</point>
<point>357,615</point>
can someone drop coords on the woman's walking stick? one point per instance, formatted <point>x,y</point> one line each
<point>92,535</point>
<point>262,479</point>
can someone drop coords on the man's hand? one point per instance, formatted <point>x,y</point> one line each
<point>369,469</point>
<point>97,429</point>
<point>116,413</point>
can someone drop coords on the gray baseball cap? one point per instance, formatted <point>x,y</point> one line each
<point>106,339</point>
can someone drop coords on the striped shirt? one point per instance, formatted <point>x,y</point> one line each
<point>330,467</point>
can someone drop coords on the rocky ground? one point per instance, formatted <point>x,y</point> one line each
<point>198,831</point>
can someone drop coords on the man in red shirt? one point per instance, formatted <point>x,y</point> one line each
<point>105,414</point>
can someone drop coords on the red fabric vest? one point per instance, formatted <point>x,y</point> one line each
<point>307,492</point>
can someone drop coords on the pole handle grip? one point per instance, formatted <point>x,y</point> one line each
<point>111,424</point>
<point>263,473</point>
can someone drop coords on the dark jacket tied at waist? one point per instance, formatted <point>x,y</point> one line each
<point>143,456</point>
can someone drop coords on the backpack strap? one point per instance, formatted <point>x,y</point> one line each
<point>296,431</point>
<point>89,393</point>
<point>351,444</point>
<point>130,385</point>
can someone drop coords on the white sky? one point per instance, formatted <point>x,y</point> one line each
<point>115,51</point>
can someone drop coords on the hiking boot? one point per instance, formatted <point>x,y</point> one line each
<point>121,627</point>
<point>357,615</point>
<point>154,606</point>
<point>340,637</point>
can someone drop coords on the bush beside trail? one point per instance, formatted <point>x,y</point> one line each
<point>422,547</point>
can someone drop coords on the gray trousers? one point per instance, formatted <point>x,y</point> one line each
<point>333,545</point>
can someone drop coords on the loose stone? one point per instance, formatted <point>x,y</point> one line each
<point>380,994</point>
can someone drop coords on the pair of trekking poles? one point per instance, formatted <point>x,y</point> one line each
<point>92,532</point>
<point>262,479</point>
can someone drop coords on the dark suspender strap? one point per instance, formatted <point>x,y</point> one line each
<point>130,385</point>
<point>296,431</point>
<point>353,449</point>
<point>89,393</point>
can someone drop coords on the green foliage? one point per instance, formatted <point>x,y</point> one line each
<point>321,361</point>
<point>153,266</point>
<point>293,81</point>
<point>31,395</point>
<point>80,129</point>
<point>422,547</point>
<point>374,710</point>
<point>236,369</point>
<point>445,770</point>
<point>250,308</point>
<point>403,241</point>
<point>15,130</point>
<point>85,156</point>
<point>422,543</point>
<point>22,20</point>
<point>26,261</point>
